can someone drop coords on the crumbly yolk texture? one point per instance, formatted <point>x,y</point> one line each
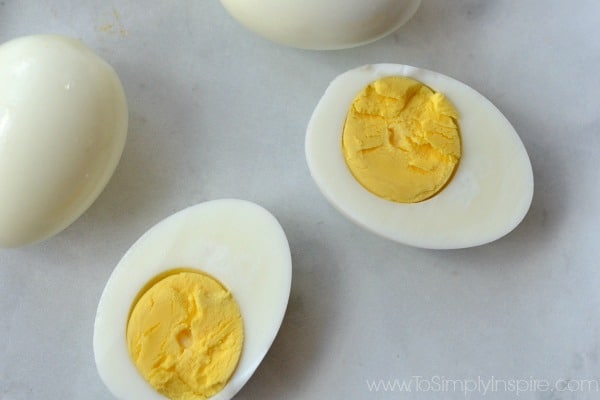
<point>185,335</point>
<point>401,140</point>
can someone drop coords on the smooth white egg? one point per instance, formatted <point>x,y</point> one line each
<point>63,125</point>
<point>488,197</point>
<point>322,24</point>
<point>237,242</point>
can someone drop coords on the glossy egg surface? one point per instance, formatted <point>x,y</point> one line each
<point>322,24</point>
<point>63,125</point>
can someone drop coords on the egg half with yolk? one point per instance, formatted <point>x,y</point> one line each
<point>483,191</point>
<point>193,306</point>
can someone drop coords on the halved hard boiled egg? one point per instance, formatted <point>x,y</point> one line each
<point>322,24</point>
<point>483,197</point>
<point>193,306</point>
<point>63,125</point>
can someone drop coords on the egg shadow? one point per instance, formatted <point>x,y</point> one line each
<point>145,181</point>
<point>546,214</point>
<point>549,204</point>
<point>306,327</point>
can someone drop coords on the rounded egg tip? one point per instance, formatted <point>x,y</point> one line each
<point>322,25</point>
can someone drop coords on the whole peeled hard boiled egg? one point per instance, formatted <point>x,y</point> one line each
<point>322,24</point>
<point>63,124</point>
<point>418,157</point>
<point>193,306</point>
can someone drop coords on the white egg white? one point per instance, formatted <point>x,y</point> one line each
<point>322,24</point>
<point>488,197</point>
<point>240,244</point>
<point>63,125</point>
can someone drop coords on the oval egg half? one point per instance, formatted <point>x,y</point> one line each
<point>488,196</point>
<point>238,243</point>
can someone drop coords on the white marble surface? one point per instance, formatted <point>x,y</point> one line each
<point>218,112</point>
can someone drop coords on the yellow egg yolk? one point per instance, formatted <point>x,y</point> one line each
<point>185,335</point>
<point>401,140</point>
